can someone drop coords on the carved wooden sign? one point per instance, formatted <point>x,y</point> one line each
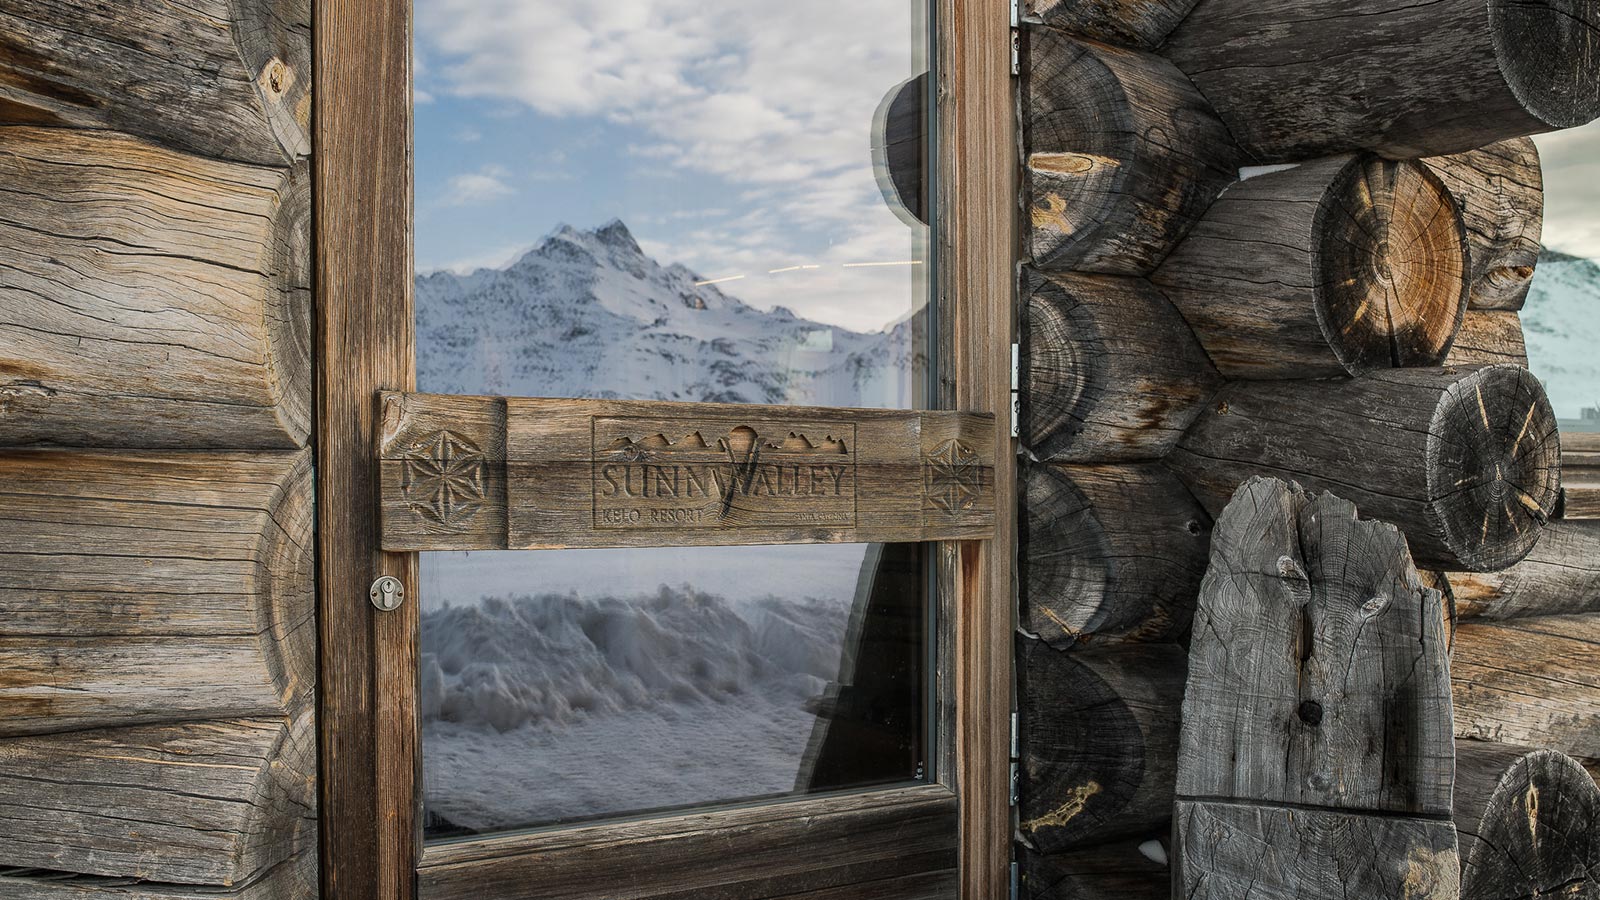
<point>472,473</point>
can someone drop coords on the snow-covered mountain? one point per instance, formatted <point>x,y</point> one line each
<point>1561,322</point>
<point>589,314</point>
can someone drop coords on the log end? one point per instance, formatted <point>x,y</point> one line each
<point>274,41</point>
<point>1529,822</point>
<point>288,303</point>
<point>285,562</point>
<point>1550,57</point>
<point>1391,266</point>
<point>1494,466</point>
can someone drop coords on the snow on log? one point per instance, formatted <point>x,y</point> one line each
<point>1098,733</point>
<point>1108,554</point>
<point>1122,155</point>
<point>1109,371</point>
<point>217,803</point>
<point>144,588</point>
<point>1560,576</point>
<point>229,79</point>
<point>1500,190</point>
<point>1403,79</point>
<point>1337,266</point>
<point>1316,717</point>
<point>150,298</point>
<point>1534,682</point>
<point>1467,462</point>
<point>1126,23</point>
<point>1529,822</point>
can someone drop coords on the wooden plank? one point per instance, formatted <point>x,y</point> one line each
<point>141,588</point>
<point>1533,682</point>
<point>229,79</point>
<point>365,343</point>
<point>493,473</point>
<point>151,298</point>
<point>1580,475</point>
<point>203,803</point>
<point>1229,851</point>
<point>975,208</point>
<point>766,850</point>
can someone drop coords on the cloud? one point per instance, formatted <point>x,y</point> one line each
<point>1571,163</point>
<point>477,188</point>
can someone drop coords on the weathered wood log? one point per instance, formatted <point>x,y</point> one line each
<point>1316,736</point>
<point>224,78</point>
<point>1098,733</point>
<point>1128,870</point>
<point>1109,371</point>
<point>1500,191</point>
<point>1403,79</point>
<point>151,299</point>
<point>150,588</point>
<point>1489,336</point>
<point>1108,554</point>
<point>1465,461</point>
<point>1560,576</point>
<point>1580,476</point>
<point>204,803</point>
<point>1122,155</point>
<point>1534,682</point>
<point>1141,24</point>
<point>1336,266</point>
<point>293,879</point>
<point>1529,822</point>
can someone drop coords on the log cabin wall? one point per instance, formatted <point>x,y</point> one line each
<point>157,651</point>
<point>1292,240</point>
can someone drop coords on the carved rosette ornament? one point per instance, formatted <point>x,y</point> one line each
<point>954,477</point>
<point>444,480</point>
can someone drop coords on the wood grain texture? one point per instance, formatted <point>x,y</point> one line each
<point>513,473</point>
<point>1337,266</point>
<point>1489,336</point>
<point>1125,23</point>
<point>1580,476</point>
<point>141,588</point>
<point>151,299</point>
<point>1119,871</point>
<point>1121,155</point>
<point>977,244</point>
<point>1529,824</point>
<point>1098,736</point>
<point>1108,554</point>
<point>216,803</point>
<point>292,879</point>
<point>1227,851</point>
<point>368,739</point>
<point>1318,673</point>
<point>1533,682</point>
<point>771,850</point>
<point>1560,576</point>
<point>1500,191</point>
<point>229,79</point>
<point>1109,371</point>
<point>1466,461</point>
<point>1403,79</point>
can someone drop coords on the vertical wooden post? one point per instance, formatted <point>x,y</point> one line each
<point>362,133</point>
<point>977,244</point>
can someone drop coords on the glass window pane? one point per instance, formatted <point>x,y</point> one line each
<point>1561,319</point>
<point>669,200</point>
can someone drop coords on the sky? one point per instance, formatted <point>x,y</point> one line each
<point>733,143</point>
<point>1571,163</point>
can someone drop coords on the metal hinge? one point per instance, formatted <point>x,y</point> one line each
<point>1016,37</point>
<point>1016,389</point>
<point>1016,887</point>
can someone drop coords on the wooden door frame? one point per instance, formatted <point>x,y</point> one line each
<point>365,343</point>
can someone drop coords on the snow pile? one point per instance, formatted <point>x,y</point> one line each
<point>551,660</point>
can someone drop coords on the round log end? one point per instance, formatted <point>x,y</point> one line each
<point>1537,833</point>
<point>274,41</point>
<point>1391,266</point>
<point>1549,53</point>
<point>285,571</point>
<point>288,305</point>
<point>1494,466</point>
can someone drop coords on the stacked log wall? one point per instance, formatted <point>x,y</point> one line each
<point>158,660</point>
<point>1343,311</point>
